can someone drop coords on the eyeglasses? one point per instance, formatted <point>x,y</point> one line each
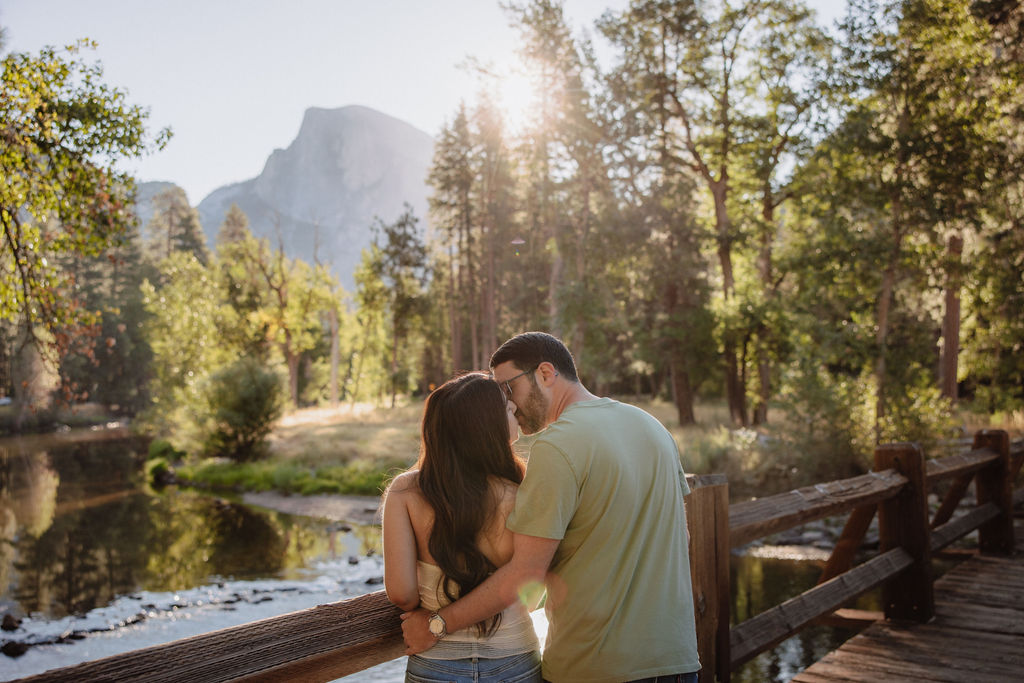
<point>508,382</point>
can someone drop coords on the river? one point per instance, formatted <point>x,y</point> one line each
<point>95,563</point>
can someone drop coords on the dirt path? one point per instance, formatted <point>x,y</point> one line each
<point>338,508</point>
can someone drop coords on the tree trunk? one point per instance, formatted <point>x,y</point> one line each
<point>951,321</point>
<point>490,305</point>
<point>394,368</point>
<point>333,315</point>
<point>554,310</point>
<point>765,270</point>
<point>734,390</point>
<point>881,340</point>
<point>358,374</point>
<point>681,390</point>
<point>675,298</point>
<point>293,377</point>
<point>580,328</point>
<point>454,318</point>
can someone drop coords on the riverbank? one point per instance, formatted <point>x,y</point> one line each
<point>336,508</point>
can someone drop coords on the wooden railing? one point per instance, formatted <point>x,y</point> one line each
<point>898,489</point>
<point>329,641</point>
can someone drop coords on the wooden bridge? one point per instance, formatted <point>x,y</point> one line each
<point>977,633</point>
<point>968,625</point>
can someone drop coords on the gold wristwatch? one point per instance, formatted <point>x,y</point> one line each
<point>437,626</point>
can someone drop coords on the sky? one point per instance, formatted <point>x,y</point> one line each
<point>232,78</point>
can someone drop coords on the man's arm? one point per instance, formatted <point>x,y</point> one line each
<point>520,578</point>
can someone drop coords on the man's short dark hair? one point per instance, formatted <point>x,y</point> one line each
<point>530,349</point>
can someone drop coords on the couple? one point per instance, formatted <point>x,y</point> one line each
<point>597,519</point>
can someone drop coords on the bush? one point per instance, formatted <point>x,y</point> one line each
<point>244,400</point>
<point>162,449</point>
<point>158,471</point>
<point>830,430</point>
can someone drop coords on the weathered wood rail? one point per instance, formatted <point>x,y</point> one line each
<point>329,641</point>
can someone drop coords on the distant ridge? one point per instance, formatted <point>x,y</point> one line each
<point>345,167</point>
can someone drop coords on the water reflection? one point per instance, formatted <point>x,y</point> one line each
<point>761,582</point>
<point>77,531</point>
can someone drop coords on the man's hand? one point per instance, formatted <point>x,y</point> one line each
<point>415,632</point>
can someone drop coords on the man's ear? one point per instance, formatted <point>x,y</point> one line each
<point>547,373</point>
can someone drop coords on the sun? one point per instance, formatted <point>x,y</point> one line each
<point>516,95</point>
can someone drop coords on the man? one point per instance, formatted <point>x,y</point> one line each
<point>599,520</point>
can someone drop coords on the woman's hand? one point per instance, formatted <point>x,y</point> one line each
<point>416,633</point>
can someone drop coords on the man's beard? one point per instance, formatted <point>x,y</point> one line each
<point>534,411</point>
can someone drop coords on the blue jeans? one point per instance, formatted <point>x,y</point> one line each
<point>524,668</point>
<point>670,678</point>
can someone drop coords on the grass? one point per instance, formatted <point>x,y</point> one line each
<point>354,478</point>
<point>358,449</point>
<point>379,436</point>
<point>348,450</point>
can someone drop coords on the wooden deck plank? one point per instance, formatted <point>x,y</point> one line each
<point>945,645</point>
<point>875,670</point>
<point>874,666</point>
<point>982,617</point>
<point>977,633</point>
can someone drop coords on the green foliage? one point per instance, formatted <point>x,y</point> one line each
<point>62,196</point>
<point>271,302</point>
<point>244,401</point>
<point>161,449</point>
<point>157,471</point>
<point>356,478</point>
<point>115,370</point>
<point>174,226</point>
<point>182,332</point>
<point>368,362</point>
<point>401,267</point>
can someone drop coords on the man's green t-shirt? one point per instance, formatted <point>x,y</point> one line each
<point>606,480</point>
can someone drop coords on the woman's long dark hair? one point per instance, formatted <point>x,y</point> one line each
<point>465,444</point>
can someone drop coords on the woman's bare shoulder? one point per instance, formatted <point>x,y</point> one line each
<point>505,494</point>
<point>404,483</point>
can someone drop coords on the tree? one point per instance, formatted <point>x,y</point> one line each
<point>372,295</point>
<point>777,136</point>
<point>698,67</point>
<point>923,116</point>
<point>116,370</point>
<point>63,135</point>
<point>235,226</point>
<point>453,176</point>
<point>278,298</point>
<point>174,226</point>
<point>564,161</point>
<point>666,275</point>
<point>473,204</point>
<point>187,346</point>
<point>402,268</point>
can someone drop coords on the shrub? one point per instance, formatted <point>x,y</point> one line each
<point>158,471</point>
<point>244,400</point>
<point>162,449</point>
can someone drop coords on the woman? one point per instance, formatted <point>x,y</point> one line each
<point>444,532</point>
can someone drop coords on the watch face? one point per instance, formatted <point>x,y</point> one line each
<point>436,625</point>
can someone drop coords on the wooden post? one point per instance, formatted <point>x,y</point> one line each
<point>993,485</point>
<point>903,523</point>
<point>707,518</point>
